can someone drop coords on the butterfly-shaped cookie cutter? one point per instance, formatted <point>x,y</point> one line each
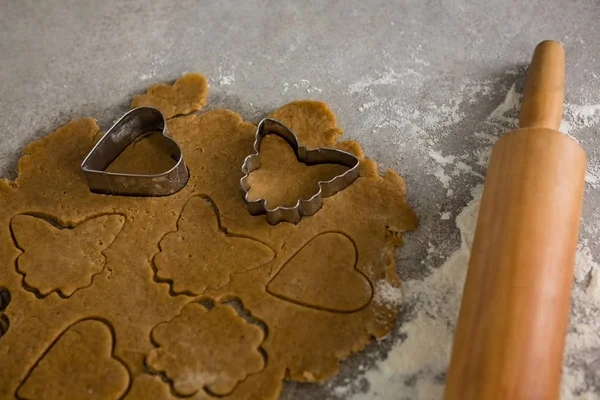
<point>321,155</point>
<point>125,131</point>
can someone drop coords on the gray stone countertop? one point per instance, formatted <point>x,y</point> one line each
<point>425,86</point>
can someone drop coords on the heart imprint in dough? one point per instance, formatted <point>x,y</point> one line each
<point>78,365</point>
<point>323,275</point>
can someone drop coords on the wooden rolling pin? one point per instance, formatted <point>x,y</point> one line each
<point>514,314</point>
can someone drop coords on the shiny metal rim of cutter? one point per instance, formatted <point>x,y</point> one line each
<point>125,131</point>
<point>322,155</point>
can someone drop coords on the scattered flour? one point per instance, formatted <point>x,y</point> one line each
<point>511,102</point>
<point>302,85</point>
<point>432,123</point>
<point>146,77</point>
<point>416,365</point>
<point>402,124</point>
<point>156,65</point>
<point>583,116</point>
<point>367,105</point>
<point>443,174</point>
<point>226,80</point>
<point>583,339</point>
<point>225,76</point>
<point>592,177</point>
<point>388,77</point>
<point>341,391</point>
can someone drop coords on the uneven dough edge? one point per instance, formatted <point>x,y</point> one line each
<point>84,131</point>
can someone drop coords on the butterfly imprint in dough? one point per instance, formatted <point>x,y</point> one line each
<point>59,258</point>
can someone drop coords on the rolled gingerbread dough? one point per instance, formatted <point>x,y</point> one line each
<point>190,295</point>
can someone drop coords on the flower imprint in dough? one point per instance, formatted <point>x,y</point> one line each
<point>207,348</point>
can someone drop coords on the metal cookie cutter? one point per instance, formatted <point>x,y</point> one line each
<point>322,155</point>
<point>126,130</point>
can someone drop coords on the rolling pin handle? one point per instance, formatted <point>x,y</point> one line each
<point>542,105</point>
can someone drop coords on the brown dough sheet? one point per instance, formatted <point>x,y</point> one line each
<point>124,289</point>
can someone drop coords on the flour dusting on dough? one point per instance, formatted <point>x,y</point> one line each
<point>388,294</point>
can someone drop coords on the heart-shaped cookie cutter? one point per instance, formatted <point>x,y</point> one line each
<point>125,131</point>
<point>321,155</point>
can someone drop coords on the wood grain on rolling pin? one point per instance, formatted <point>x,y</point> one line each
<point>514,314</point>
